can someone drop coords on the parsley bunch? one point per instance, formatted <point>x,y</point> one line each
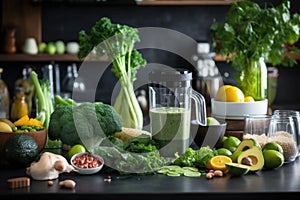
<point>251,32</point>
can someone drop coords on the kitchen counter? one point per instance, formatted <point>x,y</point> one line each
<point>276,184</point>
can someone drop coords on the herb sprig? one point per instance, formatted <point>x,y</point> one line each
<point>251,32</point>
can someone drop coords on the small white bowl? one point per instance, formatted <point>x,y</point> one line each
<point>81,170</point>
<point>237,110</point>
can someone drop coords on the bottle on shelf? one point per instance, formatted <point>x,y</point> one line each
<point>4,98</point>
<point>27,85</point>
<point>79,84</point>
<point>9,43</point>
<point>19,106</point>
<point>67,83</point>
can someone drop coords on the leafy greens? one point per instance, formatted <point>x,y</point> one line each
<point>251,32</point>
<point>117,42</point>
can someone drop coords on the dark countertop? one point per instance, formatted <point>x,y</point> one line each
<point>273,184</point>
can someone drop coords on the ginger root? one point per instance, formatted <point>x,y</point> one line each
<point>48,167</point>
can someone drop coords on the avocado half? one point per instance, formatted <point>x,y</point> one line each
<point>247,144</point>
<point>256,156</point>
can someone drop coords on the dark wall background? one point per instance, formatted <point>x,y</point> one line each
<point>60,21</point>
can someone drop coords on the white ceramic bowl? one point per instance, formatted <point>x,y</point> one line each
<point>82,170</point>
<point>237,110</point>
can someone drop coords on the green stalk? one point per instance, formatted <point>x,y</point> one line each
<point>42,107</point>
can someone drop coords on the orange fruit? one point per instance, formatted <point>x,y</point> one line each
<point>230,93</point>
<point>248,99</point>
<point>219,162</point>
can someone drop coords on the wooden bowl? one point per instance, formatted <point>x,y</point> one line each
<point>39,136</point>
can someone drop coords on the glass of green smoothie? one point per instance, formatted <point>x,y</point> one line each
<point>170,95</point>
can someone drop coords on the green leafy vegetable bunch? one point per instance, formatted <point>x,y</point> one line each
<point>117,42</point>
<point>251,32</point>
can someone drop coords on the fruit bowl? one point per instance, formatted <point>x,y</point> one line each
<point>39,136</point>
<point>210,135</point>
<point>237,110</point>
<point>86,163</point>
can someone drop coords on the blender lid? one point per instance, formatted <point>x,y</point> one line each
<point>174,75</point>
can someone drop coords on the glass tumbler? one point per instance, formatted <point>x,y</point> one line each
<point>256,124</point>
<point>282,130</point>
<point>296,118</point>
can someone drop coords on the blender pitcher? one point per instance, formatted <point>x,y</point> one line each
<point>170,95</point>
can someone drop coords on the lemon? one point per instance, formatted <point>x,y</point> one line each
<point>77,148</point>
<point>273,159</point>
<point>230,93</point>
<point>272,146</point>
<point>248,99</point>
<point>237,169</point>
<point>4,127</point>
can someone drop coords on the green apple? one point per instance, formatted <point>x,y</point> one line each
<point>51,48</point>
<point>60,47</point>
<point>42,47</point>
<point>212,121</point>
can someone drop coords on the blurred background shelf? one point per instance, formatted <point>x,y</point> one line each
<point>20,57</point>
<point>185,2</point>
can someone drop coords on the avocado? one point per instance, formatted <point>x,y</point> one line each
<point>21,149</point>
<point>255,156</point>
<point>247,144</point>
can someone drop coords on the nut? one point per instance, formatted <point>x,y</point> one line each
<point>209,175</point>
<point>218,173</point>
<point>68,184</point>
<point>50,183</point>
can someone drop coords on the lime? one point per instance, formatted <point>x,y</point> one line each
<point>273,159</point>
<point>223,151</point>
<point>237,169</point>
<point>232,149</point>
<point>273,146</point>
<point>77,148</point>
<point>231,142</point>
<point>223,140</point>
<point>235,155</point>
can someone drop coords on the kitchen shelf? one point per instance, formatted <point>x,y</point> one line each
<point>20,57</point>
<point>223,58</point>
<point>185,2</point>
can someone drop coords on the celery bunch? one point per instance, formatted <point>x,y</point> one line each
<point>43,93</point>
<point>117,42</point>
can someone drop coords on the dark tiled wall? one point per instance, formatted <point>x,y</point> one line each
<point>64,22</point>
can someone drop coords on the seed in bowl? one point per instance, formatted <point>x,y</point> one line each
<point>86,161</point>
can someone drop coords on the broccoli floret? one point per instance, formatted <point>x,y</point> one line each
<point>87,123</point>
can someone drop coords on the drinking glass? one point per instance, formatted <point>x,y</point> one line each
<point>296,118</point>
<point>256,124</point>
<point>282,130</point>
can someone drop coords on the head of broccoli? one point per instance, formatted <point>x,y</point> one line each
<point>87,123</point>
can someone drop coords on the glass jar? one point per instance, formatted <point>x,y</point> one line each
<point>4,98</point>
<point>19,107</point>
<point>253,79</point>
